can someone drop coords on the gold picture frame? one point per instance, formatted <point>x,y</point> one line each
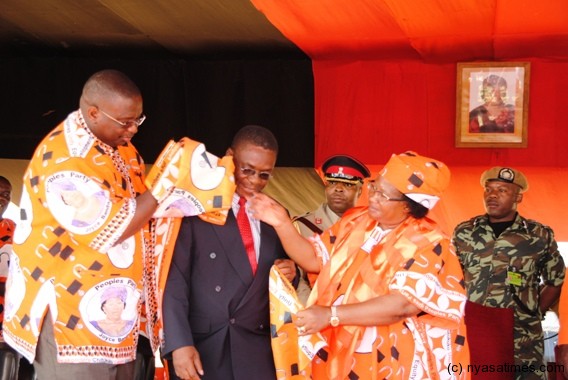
<point>492,100</point>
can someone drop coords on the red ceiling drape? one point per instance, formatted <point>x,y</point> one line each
<point>432,30</point>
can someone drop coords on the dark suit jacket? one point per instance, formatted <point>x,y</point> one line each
<point>212,300</point>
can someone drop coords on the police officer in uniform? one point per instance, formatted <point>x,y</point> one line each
<point>343,180</point>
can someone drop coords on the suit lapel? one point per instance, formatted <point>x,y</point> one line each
<point>267,249</point>
<point>266,258</point>
<point>231,240</point>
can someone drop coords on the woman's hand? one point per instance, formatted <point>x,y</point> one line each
<point>312,320</point>
<point>264,208</point>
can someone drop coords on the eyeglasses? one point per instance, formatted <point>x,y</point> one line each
<point>374,190</point>
<point>128,123</point>
<point>248,172</point>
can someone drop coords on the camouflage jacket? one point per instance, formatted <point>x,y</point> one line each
<point>508,271</point>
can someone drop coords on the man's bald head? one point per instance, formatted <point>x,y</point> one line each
<point>108,84</point>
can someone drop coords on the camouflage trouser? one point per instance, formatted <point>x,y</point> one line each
<point>529,350</point>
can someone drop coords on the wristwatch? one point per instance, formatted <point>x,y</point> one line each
<point>334,320</point>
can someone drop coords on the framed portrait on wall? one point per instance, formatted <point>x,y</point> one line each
<point>492,100</point>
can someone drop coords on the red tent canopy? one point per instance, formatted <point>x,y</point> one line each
<point>433,30</point>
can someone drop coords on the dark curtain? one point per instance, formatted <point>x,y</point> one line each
<point>207,100</point>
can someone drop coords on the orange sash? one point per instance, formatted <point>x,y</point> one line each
<point>292,354</point>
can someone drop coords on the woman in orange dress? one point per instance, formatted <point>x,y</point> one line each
<point>389,298</point>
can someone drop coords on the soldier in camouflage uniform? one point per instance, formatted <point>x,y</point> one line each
<point>343,177</point>
<point>511,262</point>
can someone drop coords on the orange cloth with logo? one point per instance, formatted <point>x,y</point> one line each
<point>188,180</point>
<point>416,260</point>
<point>79,196</point>
<point>197,183</point>
<point>292,354</point>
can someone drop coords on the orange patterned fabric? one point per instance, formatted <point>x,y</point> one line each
<point>414,259</point>
<point>187,180</point>
<point>292,354</point>
<point>7,228</point>
<point>78,198</point>
<point>195,183</point>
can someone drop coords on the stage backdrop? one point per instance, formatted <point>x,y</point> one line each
<point>300,189</point>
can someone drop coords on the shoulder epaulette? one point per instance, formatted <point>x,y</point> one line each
<point>308,224</point>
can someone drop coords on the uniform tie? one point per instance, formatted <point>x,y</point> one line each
<point>246,233</point>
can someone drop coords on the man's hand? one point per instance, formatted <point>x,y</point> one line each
<point>287,267</point>
<point>187,363</point>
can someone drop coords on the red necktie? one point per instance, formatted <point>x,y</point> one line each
<point>246,233</point>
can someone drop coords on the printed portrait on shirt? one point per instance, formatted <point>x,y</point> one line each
<point>109,309</point>
<point>77,202</point>
<point>179,204</point>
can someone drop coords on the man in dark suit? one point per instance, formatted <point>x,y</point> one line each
<point>216,303</point>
